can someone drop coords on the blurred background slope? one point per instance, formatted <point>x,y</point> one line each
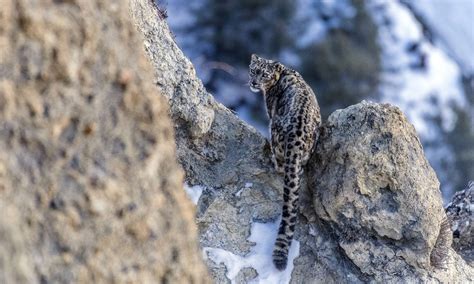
<point>414,54</point>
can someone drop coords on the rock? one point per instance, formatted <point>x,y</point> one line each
<point>381,222</point>
<point>374,187</point>
<point>89,187</point>
<point>174,74</point>
<point>246,275</point>
<point>460,214</point>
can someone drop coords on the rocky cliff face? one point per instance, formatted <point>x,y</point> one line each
<point>89,187</point>
<point>372,211</point>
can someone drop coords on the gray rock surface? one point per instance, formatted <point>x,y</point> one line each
<point>376,223</point>
<point>90,190</point>
<point>174,74</point>
<point>374,187</point>
<point>460,213</point>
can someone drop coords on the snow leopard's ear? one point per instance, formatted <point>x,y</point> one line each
<point>278,67</point>
<point>254,57</point>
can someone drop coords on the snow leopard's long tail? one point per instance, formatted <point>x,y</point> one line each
<point>293,170</point>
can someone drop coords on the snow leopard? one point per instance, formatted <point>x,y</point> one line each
<point>295,118</point>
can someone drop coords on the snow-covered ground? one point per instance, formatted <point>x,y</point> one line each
<point>259,257</point>
<point>263,235</point>
<point>194,192</point>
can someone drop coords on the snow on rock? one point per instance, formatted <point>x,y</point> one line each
<point>247,186</point>
<point>259,258</point>
<point>194,192</point>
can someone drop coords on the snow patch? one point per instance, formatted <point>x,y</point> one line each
<point>246,186</point>
<point>259,257</point>
<point>238,193</point>
<point>194,192</point>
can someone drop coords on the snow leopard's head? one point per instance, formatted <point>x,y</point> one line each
<point>263,73</point>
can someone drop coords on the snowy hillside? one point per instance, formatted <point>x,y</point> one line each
<point>452,23</point>
<point>419,77</point>
<point>416,72</point>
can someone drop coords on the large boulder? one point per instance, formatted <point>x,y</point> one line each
<point>90,190</point>
<point>372,184</point>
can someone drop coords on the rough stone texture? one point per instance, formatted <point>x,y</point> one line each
<point>89,188</point>
<point>174,74</point>
<point>461,216</point>
<point>228,155</point>
<point>374,187</point>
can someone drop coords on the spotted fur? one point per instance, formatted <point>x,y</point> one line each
<point>294,120</point>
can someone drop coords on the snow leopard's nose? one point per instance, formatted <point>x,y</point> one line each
<point>254,86</point>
